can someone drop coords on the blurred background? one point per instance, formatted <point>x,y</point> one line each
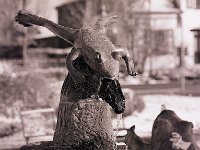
<point>162,36</point>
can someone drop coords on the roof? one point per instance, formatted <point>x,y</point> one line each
<point>195,29</point>
<point>66,3</point>
<point>160,12</point>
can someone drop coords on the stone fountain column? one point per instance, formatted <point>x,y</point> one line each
<point>84,125</point>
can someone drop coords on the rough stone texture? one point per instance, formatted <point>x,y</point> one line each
<point>84,125</point>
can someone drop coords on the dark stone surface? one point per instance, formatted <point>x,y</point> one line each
<point>107,89</point>
<point>111,92</point>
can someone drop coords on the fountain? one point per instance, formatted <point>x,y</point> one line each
<point>84,117</point>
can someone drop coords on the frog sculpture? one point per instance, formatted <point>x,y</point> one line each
<point>93,62</point>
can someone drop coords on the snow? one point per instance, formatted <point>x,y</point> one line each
<point>186,107</point>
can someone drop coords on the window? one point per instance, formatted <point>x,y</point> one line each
<point>195,4</point>
<point>198,4</point>
<point>162,42</point>
<point>191,3</point>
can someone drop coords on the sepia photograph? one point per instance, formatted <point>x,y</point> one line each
<point>99,74</point>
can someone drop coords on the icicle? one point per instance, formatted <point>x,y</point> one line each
<point>119,118</point>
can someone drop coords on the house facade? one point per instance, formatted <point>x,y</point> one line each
<point>183,18</point>
<point>161,29</point>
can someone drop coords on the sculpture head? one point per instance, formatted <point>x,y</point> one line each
<point>97,48</point>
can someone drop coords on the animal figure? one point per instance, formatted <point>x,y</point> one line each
<point>169,132</point>
<point>134,142</point>
<point>92,59</point>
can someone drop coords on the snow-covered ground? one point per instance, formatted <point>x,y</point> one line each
<point>186,107</point>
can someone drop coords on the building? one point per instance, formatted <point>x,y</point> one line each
<point>190,15</point>
<point>156,31</point>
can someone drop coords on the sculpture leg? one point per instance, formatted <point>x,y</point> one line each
<point>28,19</point>
<point>128,60</point>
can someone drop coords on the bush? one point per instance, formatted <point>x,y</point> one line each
<point>133,104</point>
<point>21,87</point>
<point>26,89</point>
<point>7,129</point>
<point>175,74</point>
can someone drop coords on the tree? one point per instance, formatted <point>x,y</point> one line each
<point>133,27</point>
<point>8,29</point>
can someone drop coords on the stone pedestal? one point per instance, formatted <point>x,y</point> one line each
<point>83,125</point>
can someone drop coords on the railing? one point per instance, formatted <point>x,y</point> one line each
<point>34,123</point>
<point>12,61</point>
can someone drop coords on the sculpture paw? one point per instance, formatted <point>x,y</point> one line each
<point>28,20</point>
<point>132,71</point>
<point>21,19</point>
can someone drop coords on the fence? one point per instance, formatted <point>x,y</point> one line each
<point>40,63</point>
